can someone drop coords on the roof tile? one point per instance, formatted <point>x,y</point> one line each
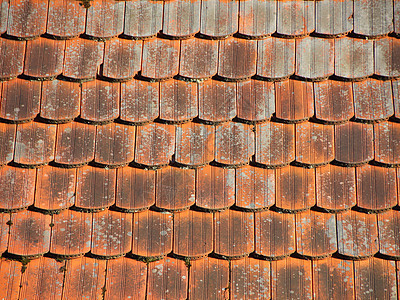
<point>71,234</point>
<point>7,136</point>
<point>95,188</point>
<point>135,188</point>
<point>12,54</point>
<point>357,234</point>
<point>4,228</point>
<point>60,100</point>
<point>215,188</point>
<point>387,143</point>
<point>181,18</point>
<point>295,18</point>
<point>175,188</point>
<point>20,100</point>
<point>336,187</point>
<point>255,187</point>
<point>396,97</point>
<point>275,234</point>
<point>152,233</point>
<point>55,188</point>
<point>75,144</point>
<point>10,278</point>
<point>4,5</point>
<point>257,18</point>
<point>333,18</point>
<point>44,58</point>
<point>219,19</point>
<point>193,234</point>
<point>396,16</point>
<point>29,234</point>
<point>17,186</point>
<point>387,61</point>
<point>35,143</point>
<point>389,235</point>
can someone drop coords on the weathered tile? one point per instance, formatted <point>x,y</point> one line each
<point>218,18</point>
<point>215,188</point>
<point>295,18</point>
<point>10,278</point>
<point>257,18</point>
<point>373,18</point>
<point>193,234</point>
<point>333,17</point>
<point>389,235</point>
<point>387,143</point>
<point>12,54</point>
<point>396,21</point>
<point>7,136</point>
<point>4,5</point>
<point>4,228</point>
<point>396,97</point>
<point>386,54</point>
<point>181,18</point>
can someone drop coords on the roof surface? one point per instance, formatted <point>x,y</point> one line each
<point>200,149</point>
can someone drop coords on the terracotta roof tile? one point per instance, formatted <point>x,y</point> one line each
<point>4,16</point>
<point>387,53</point>
<point>181,18</point>
<point>12,55</point>
<point>295,18</point>
<point>333,18</point>
<point>389,239</point>
<point>7,136</point>
<point>4,228</point>
<point>387,143</point>
<point>218,18</point>
<point>396,18</point>
<point>257,18</point>
<point>10,278</point>
<point>396,98</point>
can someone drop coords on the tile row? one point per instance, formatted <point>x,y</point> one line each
<point>232,59</point>
<point>194,234</point>
<point>231,144</point>
<point>209,278</point>
<point>216,19</point>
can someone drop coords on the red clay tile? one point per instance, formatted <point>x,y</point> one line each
<point>119,283</point>
<point>181,18</point>
<point>255,100</point>
<point>75,143</point>
<point>354,58</point>
<point>194,144</point>
<point>111,233</point>
<point>160,59</point>
<point>122,59</point>
<point>95,188</point>
<point>82,58</point>
<point>27,19</point>
<point>295,188</point>
<point>4,219</point>
<point>373,18</point>
<point>387,61</point>
<point>276,58</point>
<point>35,143</point>
<point>314,143</point>
<point>237,58</point>
<point>60,100</point>
<point>105,12</point>
<point>275,144</point>
<point>255,187</point>
<point>314,58</point>
<point>4,5</point>
<point>234,143</point>
<point>389,234</point>
<point>215,188</point>
<point>175,188</point>
<point>396,97</point>
<point>234,233</point>
<point>42,279</point>
<point>178,101</point>
<point>115,144</point>
<point>167,279</point>
<point>12,54</point>
<point>315,234</point>
<point>71,234</point>
<point>375,278</point>
<point>7,136</point>
<point>336,187</point>
<point>291,279</point>
<point>199,58</point>
<point>274,234</point>
<point>152,233</point>
<point>354,143</point>
<point>10,278</point>
<point>250,279</point>
<point>20,100</point>
<point>333,101</point>
<point>257,18</point>
<point>29,233</point>
<point>217,101</point>
<point>209,279</point>
<point>357,234</point>
<point>135,189</point>
<point>17,186</point>
<point>396,20</point>
<point>387,143</point>
<point>84,278</point>
<point>373,100</point>
<point>139,101</point>
<point>333,17</point>
<point>44,58</point>
<point>55,188</point>
<point>150,14</point>
<point>100,101</point>
<point>155,144</point>
<point>295,18</point>
<point>219,18</point>
<point>333,279</point>
<point>193,234</point>
<point>66,18</point>
<point>294,100</point>
<point>376,187</point>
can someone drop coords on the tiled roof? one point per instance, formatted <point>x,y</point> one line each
<point>202,149</point>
